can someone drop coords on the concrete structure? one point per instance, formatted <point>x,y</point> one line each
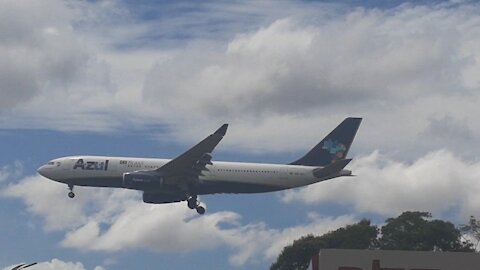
<point>345,259</point>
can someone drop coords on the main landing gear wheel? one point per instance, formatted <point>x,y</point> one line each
<point>193,203</point>
<point>71,194</point>
<point>200,210</point>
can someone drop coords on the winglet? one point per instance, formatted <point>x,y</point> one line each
<point>222,130</point>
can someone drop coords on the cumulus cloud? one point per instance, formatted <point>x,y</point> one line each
<point>47,199</point>
<point>250,240</point>
<point>276,75</point>
<point>47,65</point>
<point>134,227</point>
<point>398,68</point>
<point>282,78</point>
<point>31,48</point>
<point>440,182</point>
<point>11,171</point>
<point>117,220</point>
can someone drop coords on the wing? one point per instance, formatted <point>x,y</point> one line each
<point>194,161</point>
<point>179,173</point>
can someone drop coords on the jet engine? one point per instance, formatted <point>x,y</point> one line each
<point>162,198</point>
<point>142,180</point>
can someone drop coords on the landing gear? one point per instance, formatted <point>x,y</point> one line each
<point>71,194</point>
<point>193,203</point>
<point>200,210</point>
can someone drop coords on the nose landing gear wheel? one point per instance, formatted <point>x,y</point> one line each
<point>71,194</point>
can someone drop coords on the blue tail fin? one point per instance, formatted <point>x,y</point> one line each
<point>333,147</point>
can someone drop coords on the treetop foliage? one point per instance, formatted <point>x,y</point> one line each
<point>409,231</point>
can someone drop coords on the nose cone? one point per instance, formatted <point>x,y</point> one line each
<point>51,172</point>
<point>42,171</point>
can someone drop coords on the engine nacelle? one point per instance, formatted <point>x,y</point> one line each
<point>162,198</point>
<point>141,180</point>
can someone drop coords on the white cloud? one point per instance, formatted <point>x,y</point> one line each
<point>399,68</point>
<point>117,220</point>
<point>11,171</point>
<point>439,182</point>
<point>134,227</point>
<point>46,68</point>
<point>251,240</point>
<point>290,76</point>
<point>48,199</point>
<point>290,71</point>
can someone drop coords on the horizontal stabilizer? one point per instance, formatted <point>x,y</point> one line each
<point>333,168</point>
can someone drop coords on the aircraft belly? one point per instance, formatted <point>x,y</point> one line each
<point>237,184</point>
<point>114,180</point>
<point>219,186</point>
<point>105,181</point>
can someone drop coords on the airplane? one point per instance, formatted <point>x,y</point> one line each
<point>194,173</point>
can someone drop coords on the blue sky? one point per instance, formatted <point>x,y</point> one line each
<point>151,78</point>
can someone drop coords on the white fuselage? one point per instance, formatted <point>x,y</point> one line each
<point>193,172</point>
<point>221,177</point>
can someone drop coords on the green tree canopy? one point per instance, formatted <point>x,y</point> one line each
<point>409,231</point>
<point>416,231</point>
<point>361,235</point>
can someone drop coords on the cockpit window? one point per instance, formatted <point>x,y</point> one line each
<point>51,163</point>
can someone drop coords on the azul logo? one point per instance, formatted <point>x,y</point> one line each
<point>91,165</point>
<point>335,148</point>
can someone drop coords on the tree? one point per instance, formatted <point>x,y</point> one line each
<point>361,235</point>
<point>409,231</point>
<point>472,229</point>
<point>415,231</point>
<point>298,255</point>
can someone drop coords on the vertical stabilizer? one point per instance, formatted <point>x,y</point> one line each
<point>334,146</point>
